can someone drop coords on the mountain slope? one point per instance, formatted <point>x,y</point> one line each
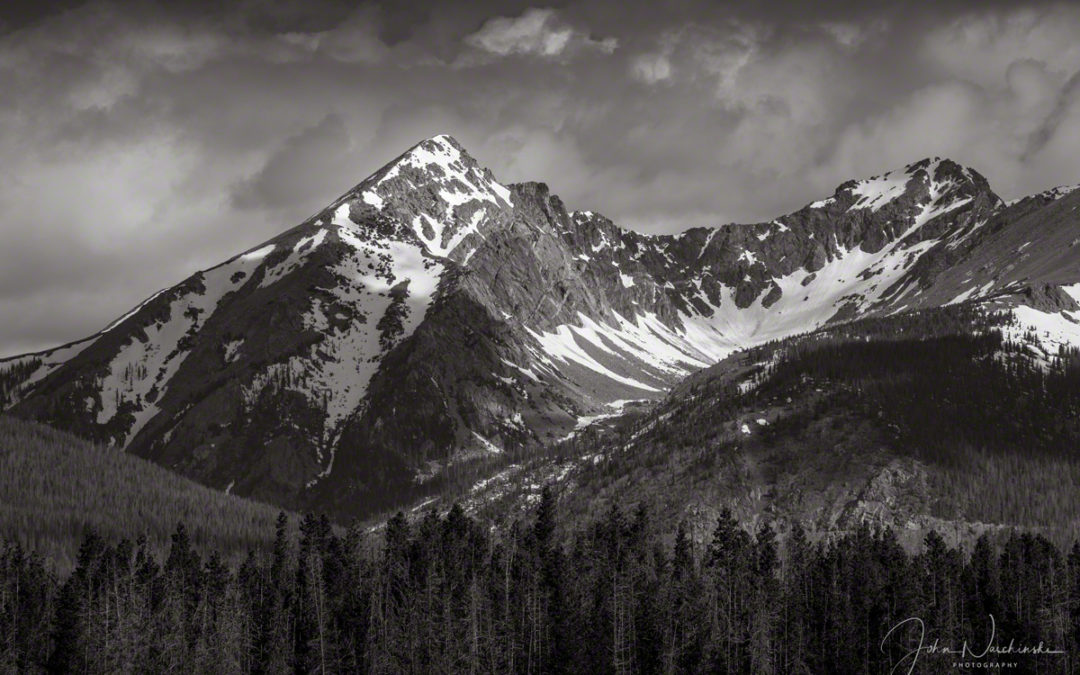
<point>947,419</point>
<point>53,486</point>
<point>431,318</point>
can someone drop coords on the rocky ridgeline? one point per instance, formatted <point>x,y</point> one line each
<point>431,317</point>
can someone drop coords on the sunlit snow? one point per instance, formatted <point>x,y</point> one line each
<point>876,192</point>
<point>150,358</point>
<point>1052,330</point>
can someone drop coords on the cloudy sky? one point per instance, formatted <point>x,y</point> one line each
<point>140,142</point>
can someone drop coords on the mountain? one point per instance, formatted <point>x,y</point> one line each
<point>432,319</point>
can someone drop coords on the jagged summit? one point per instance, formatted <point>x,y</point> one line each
<point>925,185</point>
<point>435,192</point>
<point>929,180</point>
<point>442,155</point>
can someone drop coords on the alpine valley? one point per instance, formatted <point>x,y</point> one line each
<point>436,334</point>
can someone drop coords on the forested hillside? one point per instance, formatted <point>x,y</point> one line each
<point>949,419</point>
<point>53,486</point>
<point>617,595</point>
<point>779,512</point>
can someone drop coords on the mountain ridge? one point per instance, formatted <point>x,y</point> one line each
<point>431,317</point>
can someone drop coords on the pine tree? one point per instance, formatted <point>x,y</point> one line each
<point>69,649</point>
<point>797,601</point>
<point>765,601</point>
<point>728,566</point>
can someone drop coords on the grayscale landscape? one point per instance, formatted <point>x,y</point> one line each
<point>593,337</point>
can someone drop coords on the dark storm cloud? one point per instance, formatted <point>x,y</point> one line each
<point>142,141</point>
<point>298,168</point>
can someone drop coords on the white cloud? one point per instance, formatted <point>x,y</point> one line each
<point>298,169</point>
<point>537,32</point>
<point>355,40</point>
<point>719,53</point>
<point>847,34</point>
<point>979,47</point>
<point>651,68</point>
<point>941,120</point>
<point>1023,139</point>
<point>776,103</point>
<point>852,35</point>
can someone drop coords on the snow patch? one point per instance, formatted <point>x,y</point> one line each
<point>874,193</point>
<point>1051,330</point>
<point>1073,291</point>
<point>351,354</point>
<point>49,361</point>
<point>565,344</point>
<point>232,349</point>
<point>488,445</point>
<point>371,197</point>
<point>961,297</point>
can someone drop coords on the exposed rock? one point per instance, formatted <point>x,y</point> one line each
<point>1047,297</point>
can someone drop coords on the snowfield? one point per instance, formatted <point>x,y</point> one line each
<point>640,351</point>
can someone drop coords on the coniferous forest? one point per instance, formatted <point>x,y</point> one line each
<point>443,594</point>
<point>600,590</point>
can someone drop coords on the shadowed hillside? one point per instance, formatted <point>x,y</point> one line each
<point>950,419</point>
<point>53,486</point>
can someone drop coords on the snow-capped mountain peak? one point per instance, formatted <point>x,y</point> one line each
<point>439,191</point>
<point>933,179</point>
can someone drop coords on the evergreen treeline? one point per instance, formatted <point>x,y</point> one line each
<point>947,393</point>
<point>12,374</point>
<point>447,595</point>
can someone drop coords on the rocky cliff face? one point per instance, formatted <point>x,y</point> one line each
<point>432,316</point>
